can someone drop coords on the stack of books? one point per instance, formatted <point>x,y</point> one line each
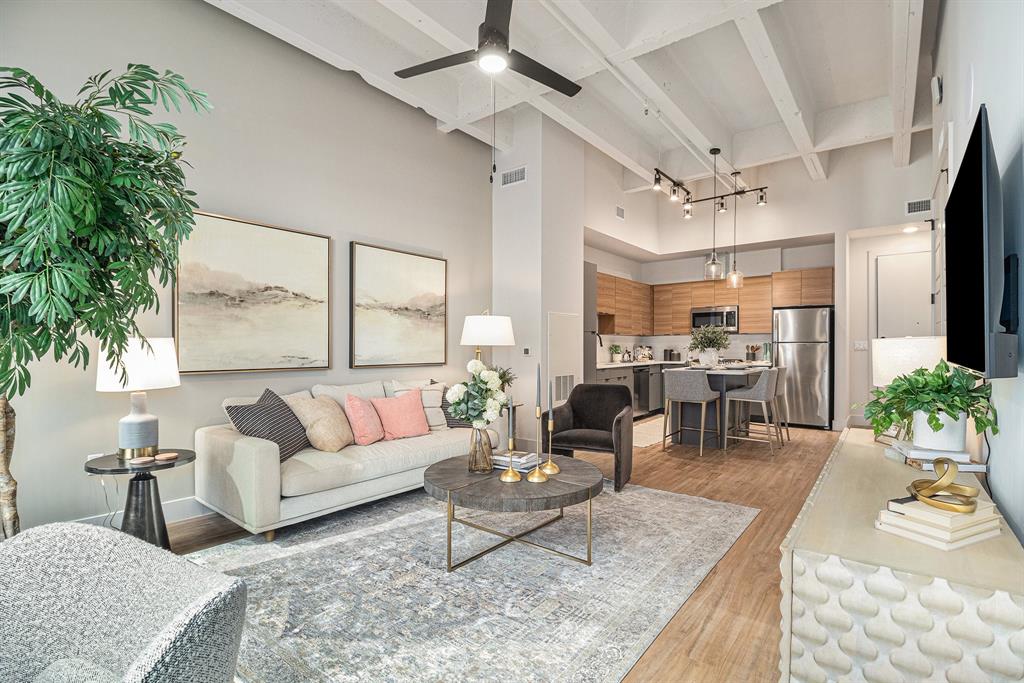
<point>924,458</point>
<point>917,521</point>
<point>523,462</point>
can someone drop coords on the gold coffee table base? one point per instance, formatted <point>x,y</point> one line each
<point>518,538</point>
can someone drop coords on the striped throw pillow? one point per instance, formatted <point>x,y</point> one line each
<point>446,408</point>
<point>270,418</point>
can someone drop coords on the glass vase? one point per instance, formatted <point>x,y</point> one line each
<point>480,452</point>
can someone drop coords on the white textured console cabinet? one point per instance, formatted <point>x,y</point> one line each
<point>859,604</point>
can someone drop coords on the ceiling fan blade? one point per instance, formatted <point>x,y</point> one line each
<point>530,68</point>
<point>439,63</point>
<point>498,14</point>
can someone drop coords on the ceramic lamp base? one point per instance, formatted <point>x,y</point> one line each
<point>138,432</point>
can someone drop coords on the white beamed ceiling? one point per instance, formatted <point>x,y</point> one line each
<point>765,80</point>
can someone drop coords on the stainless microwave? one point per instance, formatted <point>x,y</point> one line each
<point>719,316</point>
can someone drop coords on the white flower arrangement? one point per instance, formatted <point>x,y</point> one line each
<point>480,400</point>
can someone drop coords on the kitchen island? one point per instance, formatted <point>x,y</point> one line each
<point>721,381</point>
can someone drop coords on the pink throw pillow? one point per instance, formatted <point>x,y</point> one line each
<point>402,416</point>
<point>366,426</point>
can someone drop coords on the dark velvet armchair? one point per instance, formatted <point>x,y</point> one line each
<point>597,417</point>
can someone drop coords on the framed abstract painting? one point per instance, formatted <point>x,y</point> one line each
<point>252,297</point>
<point>398,312</point>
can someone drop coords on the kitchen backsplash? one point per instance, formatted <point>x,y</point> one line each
<point>678,342</point>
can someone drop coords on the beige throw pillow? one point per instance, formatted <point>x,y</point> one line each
<point>327,428</point>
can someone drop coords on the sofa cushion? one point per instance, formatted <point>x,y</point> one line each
<point>249,400</point>
<point>74,670</point>
<point>326,425</point>
<point>394,386</point>
<point>432,395</point>
<point>311,471</point>
<point>270,418</point>
<point>339,392</point>
<point>584,439</point>
<point>362,416</point>
<point>402,416</point>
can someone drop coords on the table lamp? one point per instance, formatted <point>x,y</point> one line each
<point>487,330</point>
<point>895,356</point>
<point>146,368</point>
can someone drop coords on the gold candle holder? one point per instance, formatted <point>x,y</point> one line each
<point>550,467</point>
<point>537,475</point>
<point>510,476</point>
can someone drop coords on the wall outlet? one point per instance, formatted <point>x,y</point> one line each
<point>860,346</point>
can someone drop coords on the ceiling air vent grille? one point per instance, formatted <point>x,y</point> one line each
<point>919,206</point>
<point>513,177</point>
<point>620,213</point>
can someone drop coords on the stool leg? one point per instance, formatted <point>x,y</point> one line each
<point>725,432</point>
<point>775,422</point>
<point>664,428</point>
<point>771,444</point>
<point>703,415</point>
<point>785,407</point>
<point>718,422</point>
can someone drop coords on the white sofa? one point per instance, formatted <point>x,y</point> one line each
<point>242,477</point>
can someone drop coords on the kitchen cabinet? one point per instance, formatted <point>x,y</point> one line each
<point>656,388</point>
<point>624,308</point>
<point>644,299</point>
<point>661,305</point>
<point>786,288</point>
<point>755,302</point>
<point>702,294</point>
<point>681,305</point>
<point>808,287</point>
<point>623,376</point>
<point>605,294</point>
<point>724,296</point>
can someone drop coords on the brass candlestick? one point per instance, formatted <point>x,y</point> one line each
<point>537,475</point>
<point>550,467</point>
<point>510,476</point>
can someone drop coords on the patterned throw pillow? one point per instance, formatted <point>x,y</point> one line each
<point>452,421</point>
<point>270,418</point>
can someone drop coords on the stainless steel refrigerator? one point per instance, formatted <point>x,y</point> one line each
<point>802,343</point>
<point>590,336</point>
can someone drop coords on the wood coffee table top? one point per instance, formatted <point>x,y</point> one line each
<point>578,482</point>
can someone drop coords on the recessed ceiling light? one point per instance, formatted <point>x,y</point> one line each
<point>909,229</point>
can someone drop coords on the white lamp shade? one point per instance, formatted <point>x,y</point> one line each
<point>487,330</point>
<point>895,356</point>
<point>155,368</point>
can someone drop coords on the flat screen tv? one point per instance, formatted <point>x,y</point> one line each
<point>976,320</point>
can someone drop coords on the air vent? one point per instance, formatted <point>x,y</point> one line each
<point>919,206</point>
<point>564,385</point>
<point>513,177</point>
<point>620,213</point>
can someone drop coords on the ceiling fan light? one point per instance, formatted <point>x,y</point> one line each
<point>492,60</point>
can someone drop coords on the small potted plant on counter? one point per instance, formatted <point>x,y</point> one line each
<point>616,352</point>
<point>707,341</point>
<point>933,407</point>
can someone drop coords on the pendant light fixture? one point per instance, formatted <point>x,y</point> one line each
<point>734,280</point>
<point>714,269</point>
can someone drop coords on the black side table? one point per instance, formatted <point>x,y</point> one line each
<point>143,515</point>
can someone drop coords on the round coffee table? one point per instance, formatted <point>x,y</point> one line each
<point>143,516</point>
<point>450,481</point>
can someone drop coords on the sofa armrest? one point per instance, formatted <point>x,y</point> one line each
<point>239,476</point>
<point>622,440</point>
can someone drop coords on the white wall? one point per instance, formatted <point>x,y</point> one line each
<point>980,59</point>
<point>612,264</point>
<point>603,191</point>
<point>291,141</point>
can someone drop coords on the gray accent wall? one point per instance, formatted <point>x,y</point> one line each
<point>292,141</point>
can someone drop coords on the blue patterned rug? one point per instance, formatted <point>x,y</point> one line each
<point>362,595</point>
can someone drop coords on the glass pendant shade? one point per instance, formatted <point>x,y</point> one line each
<point>734,280</point>
<point>714,269</point>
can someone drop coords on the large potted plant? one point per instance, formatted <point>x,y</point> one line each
<point>707,341</point>
<point>480,400</point>
<point>933,406</point>
<point>92,204</point>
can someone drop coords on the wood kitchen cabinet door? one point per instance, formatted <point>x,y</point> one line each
<point>702,294</point>
<point>623,306</point>
<point>786,288</point>
<point>661,304</point>
<point>816,287</point>
<point>725,296</point>
<point>681,304</point>
<point>755,302</point>
<point>605,294</point>
<point>646,314</point>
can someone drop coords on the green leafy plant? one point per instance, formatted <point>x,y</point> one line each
<point>709,337</point>
<point>93,204</point>
<point>614,349</point>
<point>506,377</point>
<point>952,391</point>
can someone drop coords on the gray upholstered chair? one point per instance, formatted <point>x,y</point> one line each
<point>84,603</point>
<point>762,392</point>
<point>688,386</point>
<point>596,417</point>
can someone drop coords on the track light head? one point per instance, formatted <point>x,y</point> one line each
<point>687,212</point>
<point>657,182</point>
<point>762,197</point>
<point>674,194</point>
<point>720,205</point>
<point>688,202</point>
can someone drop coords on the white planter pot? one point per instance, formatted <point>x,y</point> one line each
<point>708,357</point>
<point>616,357</point>
<point>952,436</point>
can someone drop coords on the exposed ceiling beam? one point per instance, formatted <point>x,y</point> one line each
<point>793,105</point>
<point>906,48</point>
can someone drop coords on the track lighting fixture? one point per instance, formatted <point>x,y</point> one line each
<point>674,194</point>
<point>678,192</point>
<point>762,197</point>
<point>688,202</point>
<point>687,212</point>
<point>720,205</point>
<point>657,182</point>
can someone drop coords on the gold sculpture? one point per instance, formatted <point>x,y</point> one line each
<point>946,470</point>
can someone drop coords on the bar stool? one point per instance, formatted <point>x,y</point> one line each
<point>762,392</point>
<point>780,406</point>
<point>688,386</point>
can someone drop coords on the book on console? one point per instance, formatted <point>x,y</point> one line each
<point>910,451</point>
<point>929,465</point>
<point>934,542</point>
<point>934,530</point>
<point>910,506</point>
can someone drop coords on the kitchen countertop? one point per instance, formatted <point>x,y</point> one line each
<point>725,371</point>
<point>633,364</point>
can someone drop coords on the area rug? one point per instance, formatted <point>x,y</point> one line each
<point>363,595</point>
<point>648,432</point>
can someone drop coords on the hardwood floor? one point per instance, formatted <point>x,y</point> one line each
<point>729,628</point>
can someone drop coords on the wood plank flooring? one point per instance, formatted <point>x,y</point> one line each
<point>729,628</point>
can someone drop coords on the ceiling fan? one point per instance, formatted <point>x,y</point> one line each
<point>493,56</point>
